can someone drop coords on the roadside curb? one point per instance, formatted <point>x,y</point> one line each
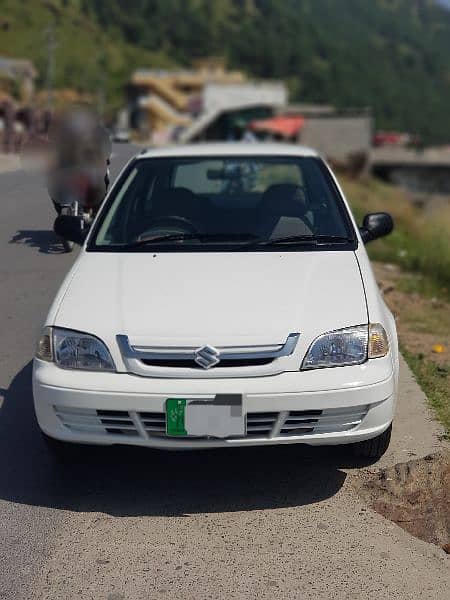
<point>416,431</point>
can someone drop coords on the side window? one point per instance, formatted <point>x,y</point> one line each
<point>117,218</point>
<point>324,210</point>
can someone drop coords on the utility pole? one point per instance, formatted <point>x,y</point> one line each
<point>51,47</point>
<point>101,91</point>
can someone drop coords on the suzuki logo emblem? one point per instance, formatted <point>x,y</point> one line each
<point>207,356</point>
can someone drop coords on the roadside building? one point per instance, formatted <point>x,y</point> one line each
<point>228,109</point>
<point>165,105</point>
<point>343,137</point>
<point>159,101</point>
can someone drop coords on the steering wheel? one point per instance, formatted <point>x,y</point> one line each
<point>168,226</point>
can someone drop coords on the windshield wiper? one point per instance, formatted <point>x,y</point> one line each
<point>177,237</point>
<point>314,240</point>
<point>172,237</point>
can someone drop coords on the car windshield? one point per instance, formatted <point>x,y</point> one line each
<point>223,203</point>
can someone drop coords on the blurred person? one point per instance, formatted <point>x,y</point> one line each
<point>78,161</point>
<point>8,118</point>
<point>19,135</point>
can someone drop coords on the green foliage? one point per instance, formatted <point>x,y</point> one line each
<point>393,55</point>
<point>434,380</point>
<point>419,242</point>
<point>86,56</point>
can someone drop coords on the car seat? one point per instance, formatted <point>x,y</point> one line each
<point>283,211</point>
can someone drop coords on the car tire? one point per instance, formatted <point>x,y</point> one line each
<point>374,448</point>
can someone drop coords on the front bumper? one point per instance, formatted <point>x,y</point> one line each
<point>328,406</point>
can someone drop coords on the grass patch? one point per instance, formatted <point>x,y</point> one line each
<point>416,283</point>
<point>435,382</point>
<point>423,325</point>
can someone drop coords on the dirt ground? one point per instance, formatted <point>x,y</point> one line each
<point>415,495</point>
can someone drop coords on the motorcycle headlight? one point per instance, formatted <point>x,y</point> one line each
<point>344,347</point>
<point>74,350</point>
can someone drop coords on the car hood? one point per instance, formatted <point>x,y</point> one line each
<point>215,298</point>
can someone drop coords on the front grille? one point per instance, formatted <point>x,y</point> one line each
<point>191,364</point>
<point>259,424</point>
<point>87,420</point>
<point>183,361</point>
<point>154,423</point>
<point>331,420</point>
<point>300,422</point>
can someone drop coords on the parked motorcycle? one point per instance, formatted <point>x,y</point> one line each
<point>74,208</point>
<point>78,173</point>
<point>79,193</point>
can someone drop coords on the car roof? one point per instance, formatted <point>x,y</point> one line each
<point>228,149</point>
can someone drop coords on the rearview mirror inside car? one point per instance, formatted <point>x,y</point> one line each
<point>224,174</point>
<point>71,228</point>
<point>376,225</point>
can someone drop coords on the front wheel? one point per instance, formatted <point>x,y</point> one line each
<point>374,448</point>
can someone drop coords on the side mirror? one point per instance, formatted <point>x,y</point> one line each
<point>376,225</point>
<point>71,228</point>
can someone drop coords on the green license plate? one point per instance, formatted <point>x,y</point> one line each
<point>221,416</point>
<point>175,415</point>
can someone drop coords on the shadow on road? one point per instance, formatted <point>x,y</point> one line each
<point>45,241</point>
<point>125,481</point>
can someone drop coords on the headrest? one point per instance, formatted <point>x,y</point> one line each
<point>286,199</point>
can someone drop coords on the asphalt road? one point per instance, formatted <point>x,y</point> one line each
<point>129,524</point>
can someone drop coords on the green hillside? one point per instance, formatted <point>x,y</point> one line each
<point>393,55</point>
<point>86,56</point>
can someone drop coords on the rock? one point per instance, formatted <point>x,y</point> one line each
<point>388,288</point>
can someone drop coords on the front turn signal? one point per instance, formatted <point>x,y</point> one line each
<point>378,341</point>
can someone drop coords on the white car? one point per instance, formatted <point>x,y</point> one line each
<point>223,297</point>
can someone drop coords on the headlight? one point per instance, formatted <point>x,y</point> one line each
<point>74,350</point>
<point>351,346</point>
